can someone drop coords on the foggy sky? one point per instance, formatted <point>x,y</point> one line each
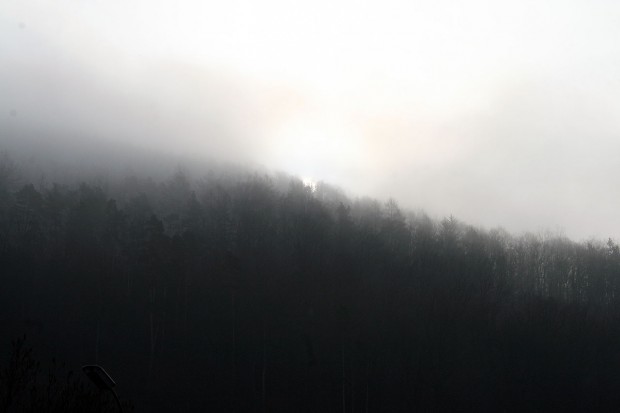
<point>500,113</point>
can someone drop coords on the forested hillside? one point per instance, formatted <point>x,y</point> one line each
<point>258,293</point>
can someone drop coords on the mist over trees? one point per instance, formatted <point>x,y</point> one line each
<point>233,291</point>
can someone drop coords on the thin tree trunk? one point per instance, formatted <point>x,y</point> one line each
<point>162,330</point>
<point>344,396</point>
<point>264,372</point>
<point>367,384</point>
<point>97,337</point>
<point>153,343</point>
<point>153,336</point>
<point>129,283</point>
<point>185,300</point>
<point>234,352</point>
<point>152,346</point>
<point>352,388</point>
<point>99,312</point>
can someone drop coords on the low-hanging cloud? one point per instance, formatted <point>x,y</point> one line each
<point>499,115</point>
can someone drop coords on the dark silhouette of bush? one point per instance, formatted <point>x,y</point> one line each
<point>26,386</point>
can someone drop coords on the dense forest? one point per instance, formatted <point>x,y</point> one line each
<point>252,292</point>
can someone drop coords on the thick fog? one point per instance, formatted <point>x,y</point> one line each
<point>501,114</point>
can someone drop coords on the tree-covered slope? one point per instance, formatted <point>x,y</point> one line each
<point>256,293</point>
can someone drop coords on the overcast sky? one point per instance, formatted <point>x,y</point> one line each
<point>500,113</point>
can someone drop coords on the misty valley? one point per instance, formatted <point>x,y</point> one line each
<point>232,290</point>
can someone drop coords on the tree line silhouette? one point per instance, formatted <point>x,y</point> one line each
<point>258,293</point>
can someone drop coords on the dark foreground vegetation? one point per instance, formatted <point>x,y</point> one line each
<point>234,293</point>
<point>27,385</point>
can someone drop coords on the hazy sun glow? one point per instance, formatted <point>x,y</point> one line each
<point>306,144</point>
